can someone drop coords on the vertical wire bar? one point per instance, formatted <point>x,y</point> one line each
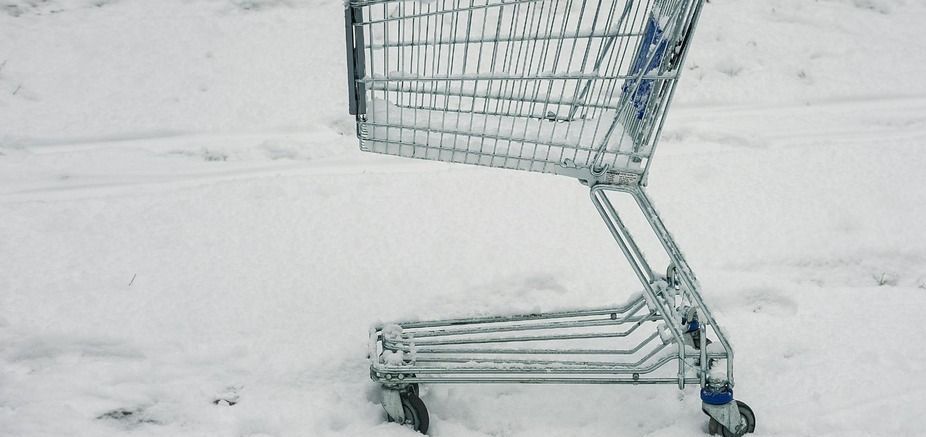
<point>350,17</point>
<point>400,65</point>
<point>638,81</point>
<point>418,69</point>
<point>605,51</point>
<point>547,73</point>
<point>543,57</point>
<point>451,61</point>
<point>411,87</point>
<point>435,70</point>
<point>632,25</point>
<point>575,150</point>
<point>368,28</point>
<point>549,93</point>
<point>597,65</point>
<point>509,49</point>
<point>636,120</point>
<point>526,144</point>
<point>460,90</point>
<point>639,28</point>
<point>657,94</point>
<point>386,144</point>
<point>602,51</point>
<point>489,92</point>
<point>472,116</point>
<point>514,66</point>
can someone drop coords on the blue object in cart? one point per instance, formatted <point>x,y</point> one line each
<point>649,57</point>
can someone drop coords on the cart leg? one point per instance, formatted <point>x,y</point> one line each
<point>685,275</point>
<point>644,272</point>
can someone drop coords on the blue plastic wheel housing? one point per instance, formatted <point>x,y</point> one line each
<point>721,397</point>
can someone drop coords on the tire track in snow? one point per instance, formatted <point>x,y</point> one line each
<point>876,121</point>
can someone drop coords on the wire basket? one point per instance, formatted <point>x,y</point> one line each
<point>545,86</point>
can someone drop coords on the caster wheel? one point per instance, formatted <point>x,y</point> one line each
<point>415,389</point>
<point>416,414</point>
<point>747,418</point>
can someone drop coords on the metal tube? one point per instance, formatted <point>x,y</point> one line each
<point>518,369</point>
<point>511,351</point>
<point>537,380</point>
<point>518,317</point>
<point>526,327</point>
<point>631,244</point>
<point>685,272</point>
<point>512,339</point>
<point>509,77</point>
<point>612,220</point>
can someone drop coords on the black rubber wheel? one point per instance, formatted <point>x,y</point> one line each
<point>713,427</point>
<point>746,416</point>
<point>416,414</point>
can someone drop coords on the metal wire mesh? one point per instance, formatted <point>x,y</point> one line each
<point>534,85</point>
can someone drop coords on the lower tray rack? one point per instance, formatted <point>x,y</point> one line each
<point>628,344</point>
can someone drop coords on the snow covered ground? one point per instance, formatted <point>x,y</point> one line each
<point>185,218</point>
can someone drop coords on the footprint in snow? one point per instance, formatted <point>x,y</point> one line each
<point>128,417</point>
<point>228,398</point>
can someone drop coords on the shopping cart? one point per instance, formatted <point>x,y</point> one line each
<point>569,87</point>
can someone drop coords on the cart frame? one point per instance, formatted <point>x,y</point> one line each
<point>659,336</point>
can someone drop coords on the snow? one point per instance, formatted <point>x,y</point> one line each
<point>393,358</point>
<point>392,332</point>
<point>187,223</point>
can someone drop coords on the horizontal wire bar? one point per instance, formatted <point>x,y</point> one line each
<point>528,327</point>
<point>503,351</point>
<point>540,379</point>
<point>406,343</point>
<point>489,330</point>
<point>519,317</point>
<point>399,77</point>
<point>402,345</point>
<point>420,370</point>
<point>440,12</point>
<point>506,39</point>
<point>510,161</point>
<point>503,362</point>
<point>519,114</point>
<point>460,133</point>
<point>512,339</point>
<point>398,86</point>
